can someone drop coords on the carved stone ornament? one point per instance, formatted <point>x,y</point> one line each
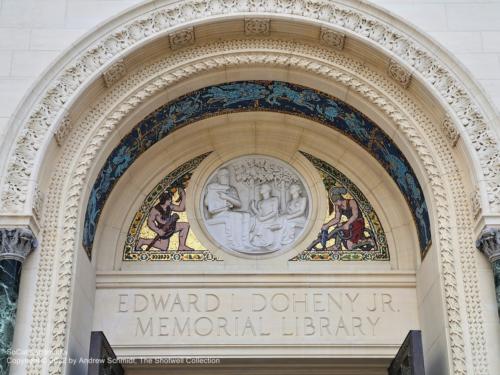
<point>332,38</point>
<point>257,26</point>
<point>475,198</point>
<point>38,202</point>
<point>451,131</point>
<point>255,205</point>
<point>62,130</point>
<point>181,38</point>
<point>16,243</point>
<point>114,73</point>
<point>399,73</point>
<point>489,243</point>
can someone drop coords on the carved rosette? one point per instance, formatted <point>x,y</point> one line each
<point>257,26</point>
<point>62,130</point>
<point>399,73</point>
<point>451,131</point>
<point>182,38</point>
<point>16,243</point>
<point>114,73</point>
<point>332,38</point>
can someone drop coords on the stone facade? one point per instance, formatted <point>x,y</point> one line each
<point>72,120</point>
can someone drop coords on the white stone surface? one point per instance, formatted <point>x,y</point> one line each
<point>28,17</point>
<point>139,322</point>
<point>27,25</point>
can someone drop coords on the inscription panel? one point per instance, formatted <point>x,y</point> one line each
<point>255,316</point>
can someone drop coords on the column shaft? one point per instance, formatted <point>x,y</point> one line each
<point>10,275</point>
<point>496,275</point>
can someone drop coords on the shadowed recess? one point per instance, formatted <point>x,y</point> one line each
<point>271,96</point>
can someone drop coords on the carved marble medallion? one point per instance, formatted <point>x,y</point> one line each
<point>255,205</point>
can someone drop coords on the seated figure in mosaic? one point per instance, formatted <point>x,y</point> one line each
<point>294,217</point>
<point>227,225</point>
<point>266,225</point>
<point>348,233</point>
<point>164,222</point>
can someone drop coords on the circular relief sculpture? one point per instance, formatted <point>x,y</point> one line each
<point>255,205</point>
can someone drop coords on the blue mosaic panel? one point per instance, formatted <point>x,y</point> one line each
<point>273,96</point>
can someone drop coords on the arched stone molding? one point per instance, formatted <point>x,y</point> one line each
<point>241,96</point>
<point>390,100</point>
<point>361,21</point>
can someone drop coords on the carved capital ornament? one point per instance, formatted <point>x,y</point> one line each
<point>489,243</point>
<point>16,243</point>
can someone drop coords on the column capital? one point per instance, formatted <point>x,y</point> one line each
<point>16,243</point>
<point>489,243</point>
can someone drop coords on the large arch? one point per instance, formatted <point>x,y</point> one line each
<point>91,136</point>
<point>274,96</point>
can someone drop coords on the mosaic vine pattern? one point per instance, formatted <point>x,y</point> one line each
<point>373,243</point>
<point>141,233</point>
<point>273,96</point>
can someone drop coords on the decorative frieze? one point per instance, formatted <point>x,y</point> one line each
<point>114,73</point>
<point>182,38</point>
<point>399,73</point>
<point>332,38</point>
<point>16,243</point>
<point>451,131</point>
<point>257,26</point>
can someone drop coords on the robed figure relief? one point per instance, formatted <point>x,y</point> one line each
<point>255,205</point>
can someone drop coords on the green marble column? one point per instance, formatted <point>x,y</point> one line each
<point>10,273</point>
<point>489,244</point>
<point>15,246</point>
<point>496,274</point>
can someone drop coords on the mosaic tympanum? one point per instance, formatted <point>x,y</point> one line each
<point>274,96</point>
